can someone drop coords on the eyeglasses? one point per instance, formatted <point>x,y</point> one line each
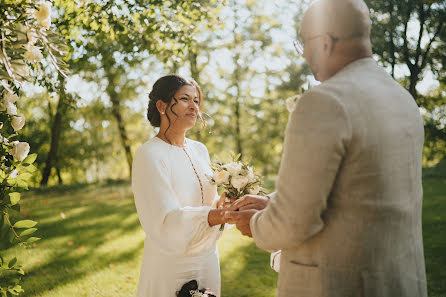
<point>299,43</point>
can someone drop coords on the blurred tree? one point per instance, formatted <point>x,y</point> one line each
<point>409,33</point>
<point>109,38</point>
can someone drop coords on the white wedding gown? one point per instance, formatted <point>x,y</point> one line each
<point>180,245</point>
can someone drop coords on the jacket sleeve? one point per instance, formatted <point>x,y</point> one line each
<point>317,135</point>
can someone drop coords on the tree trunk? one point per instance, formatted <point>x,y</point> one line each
<point>56,131</point>
<point>59,176</point>
<point>116,111</point>
<point>412,85</point>
<point>236,81</point>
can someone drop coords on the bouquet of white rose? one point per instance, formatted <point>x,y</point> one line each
<point>236,179</point>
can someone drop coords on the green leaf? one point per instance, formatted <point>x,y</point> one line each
<point>28,231</point>
<point>14,198</point>
<point>32,239</point>
<point>22,184</point>
<point>12,262</point>
<point>30,159</point>
<point>20,270</point>
<point>25,176</point>
<point>25,224</point>
<point>30,168</point>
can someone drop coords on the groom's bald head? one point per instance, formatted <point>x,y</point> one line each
<point>333,34</point>
<point>341,18</point>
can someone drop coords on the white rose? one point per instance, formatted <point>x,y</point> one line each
<point>18,122</point>
<point>20,150</point>
<point>234,168</point>
<point>11,109</point>
<point>239,181</point>
<point>254,189</point>
<point>221,177</point>
<point>291,102</point>
<point>251,176</point>
<point>43,15</point>
<point>33,53</point>
<point>10,97</point>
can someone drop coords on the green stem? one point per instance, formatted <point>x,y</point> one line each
<point>10,225</point>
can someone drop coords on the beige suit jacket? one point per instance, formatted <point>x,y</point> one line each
<point>347,211</point>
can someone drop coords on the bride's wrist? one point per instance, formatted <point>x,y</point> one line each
<point>215,217</point>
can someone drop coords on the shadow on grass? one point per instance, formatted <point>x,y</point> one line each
<point>80,231</point>
<point>246,273</point>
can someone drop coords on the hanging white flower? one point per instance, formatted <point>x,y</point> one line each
<point>10,97</point>
<point>254,189</point>
<point>14,173</point>
<point>21,69</point>
<point>291,102</point>
<point>20,150</point>
<point>33,53</point>
<point>43,15</point>
<point>11,109</point>
<point>239,181</point>
<point>18,122</point>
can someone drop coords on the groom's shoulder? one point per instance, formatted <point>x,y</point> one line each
<point>324,94</point>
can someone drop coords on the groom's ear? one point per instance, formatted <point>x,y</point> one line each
<point>328,44</point>
<point>161,106</point>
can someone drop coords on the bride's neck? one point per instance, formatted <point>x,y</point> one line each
<point>173,137</point>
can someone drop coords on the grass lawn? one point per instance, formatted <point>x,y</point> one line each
<point>92,245</point>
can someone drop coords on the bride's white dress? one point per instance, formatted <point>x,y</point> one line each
<point>180,245</point>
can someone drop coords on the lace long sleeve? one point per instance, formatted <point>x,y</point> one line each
<point>175,229</point>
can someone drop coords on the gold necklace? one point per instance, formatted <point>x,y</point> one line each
<point>196,174</point>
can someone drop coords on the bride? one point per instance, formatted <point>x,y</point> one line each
<point>178,208</point>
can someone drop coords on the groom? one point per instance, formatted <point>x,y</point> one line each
<point>347,208</point>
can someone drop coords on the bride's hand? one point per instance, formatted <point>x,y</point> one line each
<point>224,201</point>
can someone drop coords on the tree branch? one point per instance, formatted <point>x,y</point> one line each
<point>422,20</point>
<point>405,45</point>
<point>428,48</point>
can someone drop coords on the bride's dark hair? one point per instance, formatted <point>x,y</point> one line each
<point>164,89</point>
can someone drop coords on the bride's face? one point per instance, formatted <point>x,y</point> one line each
<point>184,110</point>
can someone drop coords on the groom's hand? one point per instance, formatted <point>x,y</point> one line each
<point>250,202</point>
<point>241,220</point>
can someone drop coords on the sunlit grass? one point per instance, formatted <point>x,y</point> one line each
<point>92,245</point>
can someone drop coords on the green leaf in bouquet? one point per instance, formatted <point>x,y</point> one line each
<point>28,231</point>
<point>29,160</point>
<point>32,239</point>
<point>12,262</point>
<point>14,198</point>
<point>24,224</point>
